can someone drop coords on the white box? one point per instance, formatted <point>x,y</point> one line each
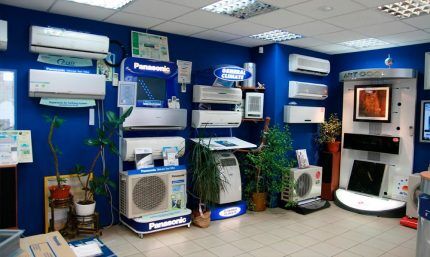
<point>303,114</point>
<point>3,35</point>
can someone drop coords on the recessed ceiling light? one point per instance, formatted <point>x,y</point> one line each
<point>241,9</point>
<point>110,4</point>
<point>407,9</point>
<point>364,43</point>
<point>277,36</point>
<point>326,8</point>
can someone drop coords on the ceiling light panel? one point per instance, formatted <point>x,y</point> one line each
<point>407,9</point>
<point>109,4</point>
<point>242,9</point>
<point>364,43</point>
<point>276,36</point>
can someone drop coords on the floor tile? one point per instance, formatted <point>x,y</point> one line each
<point>230,236</point>
<point>209,242</point>
<point>284,233</point>
<point>204,253</point>
<point>356,236</point>
<point>286,247</point>
<point>249,230</point>
<point>347,254</point>
<point>380,244</point>
<point>365,250</point>
<point>161,252</point>
<point>319,234</point>
<point>326,249</point>
<point>266,252</point>
<point>402,252</point>
<point>266,238</point>
<point>186,248</point>
<point>147,244</point>
<point>303,240</point>
<point>305,253</point>
<point>247,244</point>
<point>342,242</point>
<point>226,250</point>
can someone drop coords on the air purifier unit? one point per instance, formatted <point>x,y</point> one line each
<point>230,172</point>
<point>306,183</point>
<point>254,103</point>
<point>414,191</point>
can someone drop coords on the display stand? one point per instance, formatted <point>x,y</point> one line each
<point>228,210</point>
<point>330,162</point>
<point>8,196</point>
<point>87,224</point>
<point>59,204</point>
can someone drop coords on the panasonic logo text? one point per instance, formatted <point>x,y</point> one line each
<point>169,223</point>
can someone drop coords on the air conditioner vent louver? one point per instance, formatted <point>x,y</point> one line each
<point>303,185</point>
<point>149,193</point>
<point>308,65</point>
<point>306,90</point>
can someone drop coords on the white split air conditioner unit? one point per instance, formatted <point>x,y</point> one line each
<point>57,84</point>
<point>3,35</point>
<point>307,184</point>
<point>57,41</point>
<point>155,119</point>
<point>309,65</point>
<point>215,119</point>
<point>305,90</point>
<point>156,143</point>
<point>230,172</point>
<point>212,94</point>
<point>303,114</point>
<point>254,104</point>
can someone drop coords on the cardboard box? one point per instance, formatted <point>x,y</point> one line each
<point>46,245</point>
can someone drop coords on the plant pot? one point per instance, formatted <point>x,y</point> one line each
<point>57,193</point>
<point>85,209</point>
<point>202,221</point>
<point>274,200</point>
<point>259,200</point>
<point>333,147</point>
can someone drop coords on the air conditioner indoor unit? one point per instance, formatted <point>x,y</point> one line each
<point>215,119</point>
<point>58,84</point>
<point>307,184</point>
<point>155,119</point>
<point>46,40</point>
<point>305,90</point>
<point>152,191</point>
<point>309,65</point>
<point>212,94</point>
<point>303,114</point>
<point>3,35</point>
<point>414,191</point>
<point>254,104</point>
<point>156,143</point>
<point>230,172</point>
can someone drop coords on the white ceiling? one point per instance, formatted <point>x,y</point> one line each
<point>322,30</point>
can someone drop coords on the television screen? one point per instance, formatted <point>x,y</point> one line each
<point>366,177</point>
<point>151,92</point>
<point>372,103</point>
<point>425,121</point>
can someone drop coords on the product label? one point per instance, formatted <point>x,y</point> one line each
<point>165,224</point>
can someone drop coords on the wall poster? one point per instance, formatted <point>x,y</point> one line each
<point>372,103</point>
<point>150,46</point>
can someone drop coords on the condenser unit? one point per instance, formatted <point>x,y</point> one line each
<point>212,94</point>
<point>155,143</point>
<point>306,184</point>
<point>305,90</point>
<point>309,65</point>
<point>215,119</point>
<point>254,103</point>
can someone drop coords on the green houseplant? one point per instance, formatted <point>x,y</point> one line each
<point>207,181</point>
<point>329,133</point>
<point>94,183</point>
<point>269,170</point>
<point>60,190</point>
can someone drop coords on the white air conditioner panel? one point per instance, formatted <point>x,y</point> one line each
<point>156,119</point>
<point>156,143</point>
<point>307,184</point>
<point>215,119</point>
<point>254,104</point>
<point>3,35</point>
<point>212,94</point>
<point>230,172</point>
<point>305,90</point>
<point>303,114</point>
<point>57,41</point>
<point>57,84</point>
<point>308,65</point>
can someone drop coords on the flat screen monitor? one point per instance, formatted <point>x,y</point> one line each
<point>151,92</point>
<point>425,121</point>
<point>366,177</point>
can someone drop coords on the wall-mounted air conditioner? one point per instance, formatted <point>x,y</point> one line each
<point>309,65</point>
<point>215,119</point>
<point>303,114</point>
<point>57,84</point>
<point>211,94</point>
<point>57,41</point>
<point>3,35</point>
<point>156,143</point>
<point>254,103</point>
<point>305,90</point>
<point>156,119</point>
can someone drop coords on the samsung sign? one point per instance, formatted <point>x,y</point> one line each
<point>232,73</point>
<point>165,224</point>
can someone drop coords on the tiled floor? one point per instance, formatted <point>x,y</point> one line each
<point>275,232</point>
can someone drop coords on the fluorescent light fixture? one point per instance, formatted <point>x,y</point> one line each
<point>276,36</point>
<point>242,9</point>
<point>109,4</point>
<point>364,43</point>
<point>407,9</point>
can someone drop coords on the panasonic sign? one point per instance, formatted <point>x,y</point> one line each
<point>169,223</point>
<point>147,67</point>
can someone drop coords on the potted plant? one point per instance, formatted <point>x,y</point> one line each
<point>207,181</point>
<point>329,133</point>
<point>96,184</point>
<point>270,170</point>
<point>60,190</point>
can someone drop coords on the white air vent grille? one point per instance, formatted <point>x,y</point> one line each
<point>254,103</point>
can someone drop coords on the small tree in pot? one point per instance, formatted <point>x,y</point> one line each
<point>329,133</point>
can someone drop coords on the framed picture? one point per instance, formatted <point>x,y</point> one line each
<point>372,103</point>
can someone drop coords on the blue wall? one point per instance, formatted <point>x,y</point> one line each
<point>404,57</point>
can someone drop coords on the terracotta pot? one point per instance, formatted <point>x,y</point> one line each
<point>333,147</point>
<point>202,221</point>
<point>259,200</point>
<point>85,209</point>
<point>59,193</point>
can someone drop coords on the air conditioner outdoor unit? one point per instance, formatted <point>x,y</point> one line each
<point>57,41</point>
<point>309,65</point>
<point>155,119</point>
<point>212,94</point>
<point>58,84</point>
<point>305,90</point>
<point>153,190</point>
<point>307,184</point>
<point>3,35</point>
<point>303,114</point>
<point>254,103</point>
<point>215,119</point>
<point>156,143</point>
<point>414,191</point>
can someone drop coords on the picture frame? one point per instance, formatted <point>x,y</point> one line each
<point>372,103</point>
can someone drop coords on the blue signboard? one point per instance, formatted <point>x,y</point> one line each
<point>232,73</point>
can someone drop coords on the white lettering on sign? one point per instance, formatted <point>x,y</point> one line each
<point>236,74</point>
<point>145,67</point>
<point>163,224</point>
<point>229,212</point>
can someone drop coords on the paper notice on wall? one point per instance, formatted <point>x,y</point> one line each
<point>104,69</point>
<point>184,71</point>
<point>149,46</point>
<point>15,147</point>
<point>67,103</point>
